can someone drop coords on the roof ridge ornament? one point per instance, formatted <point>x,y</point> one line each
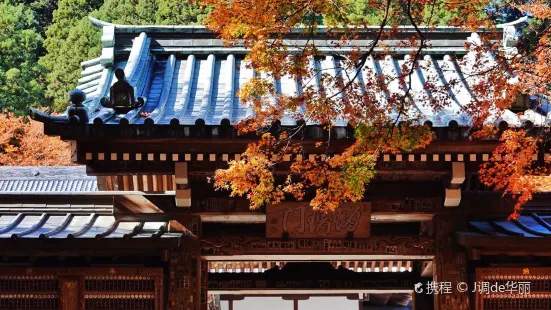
<point>76,113</point>
<point>121,96</point>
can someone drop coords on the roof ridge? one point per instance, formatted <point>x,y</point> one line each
<point>200,28</point>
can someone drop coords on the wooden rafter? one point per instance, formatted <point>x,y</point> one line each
<point>137,182</point>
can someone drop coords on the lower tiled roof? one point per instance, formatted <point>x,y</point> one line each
<point>531,226</point>
<point>80,226</point>
<point>35,179</point>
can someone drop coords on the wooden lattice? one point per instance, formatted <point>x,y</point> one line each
<point>535,295</point>
<point>134,301</point>
<point>29,292</point>
<point>537,301</point>
<point>78,288</point>
<point>119,283</point>
<point>29,301</point>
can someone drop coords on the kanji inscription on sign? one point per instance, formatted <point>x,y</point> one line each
<point>300,221</point>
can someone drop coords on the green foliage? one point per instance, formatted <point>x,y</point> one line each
<point>43,12</point>
<point>180,13</point>
<point>128,12</point>
<point>404,137</point>
<point>370,12</point>
<point>72,39</point>
<point>19,72</point>
<point>63,57</point>
<point>358,171</point>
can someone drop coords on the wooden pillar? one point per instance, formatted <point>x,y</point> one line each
<point>450,263</point>
<point>213,302</point>
<point>203,277</point>
<point>71,295</point>
<point>187,273</point>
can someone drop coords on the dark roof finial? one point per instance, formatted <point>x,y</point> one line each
<point>119,74</point>
<point>77,112</point>
<point>77,97</point>
<point>121,95</point>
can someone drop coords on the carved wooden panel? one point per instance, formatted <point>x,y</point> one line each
<point>421,246</point>
<point>184,276</point>
<point>261,266</point>
<point>450,264</point>
<point>81,288</point>
<point>513,288</point>
<point>70,293</point>
<point>301,221</point>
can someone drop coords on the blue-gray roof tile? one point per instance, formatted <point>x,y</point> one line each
<point>183,84</point>
<point>46,179</point>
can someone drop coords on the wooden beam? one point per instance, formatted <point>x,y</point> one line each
<point>427,271</point>
<point>238,217</point>
<point>396,217</point>
<point>240,247</point>
<point>134,204</point>
<point>311,292</point>
<point>504,244</point>
<point>176,226</point>
<point>227,210</point>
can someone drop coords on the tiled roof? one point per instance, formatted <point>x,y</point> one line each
<point>531,226</point>
<point>46,179</point>
<point>184,82</point>
<point>81,226</point>
<point>74,208</point>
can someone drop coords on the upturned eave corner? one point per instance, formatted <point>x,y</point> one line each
<point>98,23</point>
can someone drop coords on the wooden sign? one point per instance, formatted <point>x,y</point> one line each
<point>300,221</point>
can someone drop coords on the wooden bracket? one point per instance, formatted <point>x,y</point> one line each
<point>453,192</point>
<point>453,197</point>
<point>74,152</point>
<point>183,192</point>
<point>181,175</point>
<point>458,173</point>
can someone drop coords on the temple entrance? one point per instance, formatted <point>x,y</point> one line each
<point>381,301</point>
<point>293,285</point>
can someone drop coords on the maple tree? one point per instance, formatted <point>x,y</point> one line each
<point>23,143</point>
<point>382,112</point>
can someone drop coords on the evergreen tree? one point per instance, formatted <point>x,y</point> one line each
<point>43,12</point>
<point>60,57</point>
<point>128,12</point>
<point>180,13</point>
<point>72,39</point>
<point>371,12</point>
<point>19,72</point>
